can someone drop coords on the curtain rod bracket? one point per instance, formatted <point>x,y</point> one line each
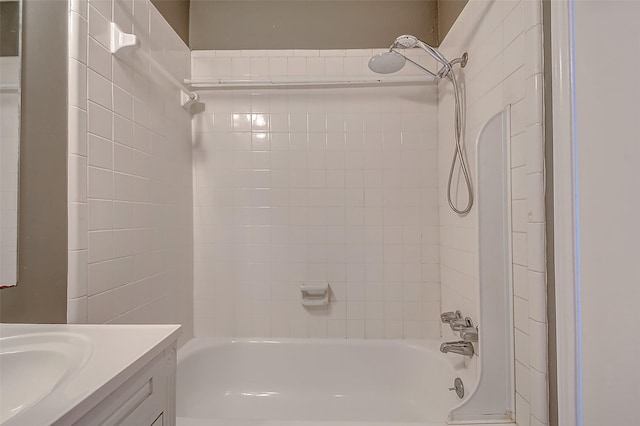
<point>121,40</point>
<point>187,100</point>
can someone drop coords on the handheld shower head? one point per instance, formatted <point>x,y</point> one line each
<point>408,41</point>
<point>405,42</point>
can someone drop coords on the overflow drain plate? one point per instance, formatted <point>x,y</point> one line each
<point>458,386</point>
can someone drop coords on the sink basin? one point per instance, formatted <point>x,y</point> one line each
<point>34,364</point>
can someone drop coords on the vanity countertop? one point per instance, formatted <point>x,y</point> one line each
<point>106,357</point>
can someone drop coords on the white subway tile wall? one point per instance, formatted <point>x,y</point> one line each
<point>130,202</point>
<point>329,184</point>
<point>504,42</point>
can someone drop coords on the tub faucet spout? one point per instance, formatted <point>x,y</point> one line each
<point>460,348</point>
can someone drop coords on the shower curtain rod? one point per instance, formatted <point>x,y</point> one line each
<point>306,82</point>
<point>121,41</point>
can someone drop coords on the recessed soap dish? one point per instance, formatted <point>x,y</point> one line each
<point>315,293</point>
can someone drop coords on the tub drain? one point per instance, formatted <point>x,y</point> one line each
<point>458,386</point>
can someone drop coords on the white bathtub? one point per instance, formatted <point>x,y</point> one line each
<point>313,382</point>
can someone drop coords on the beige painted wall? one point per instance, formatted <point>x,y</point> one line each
<point>41,293</point>
<point>313,24</point>
<point>317,24</point>
<point>448,11</point>
<point>176,12</point>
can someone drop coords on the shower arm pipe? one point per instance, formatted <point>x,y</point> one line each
<point>447,67</point>
<point>433,52</point>
<point>397,52</point>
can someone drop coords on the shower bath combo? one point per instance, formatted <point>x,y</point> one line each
<point>393,61</point>
<point>208,368</point>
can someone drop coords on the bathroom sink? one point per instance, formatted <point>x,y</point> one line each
<point>34,364</point>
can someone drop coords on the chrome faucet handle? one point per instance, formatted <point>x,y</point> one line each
<point>448,317</point>
<point>469,334</point>
<point>459,324</point>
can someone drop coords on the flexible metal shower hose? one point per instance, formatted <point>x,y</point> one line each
<point>458,155</point>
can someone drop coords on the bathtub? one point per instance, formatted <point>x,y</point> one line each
<point>314,382</point>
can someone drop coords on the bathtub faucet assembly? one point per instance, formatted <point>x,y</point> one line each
<point>467,330</point>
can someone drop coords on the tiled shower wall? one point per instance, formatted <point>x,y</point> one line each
<point>504,42</point>
<point>130,203</point>
<point>322,184</point>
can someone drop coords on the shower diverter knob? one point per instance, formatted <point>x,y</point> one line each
<point>448,317</point>
<point>469,334</point>
<point>459,324</point>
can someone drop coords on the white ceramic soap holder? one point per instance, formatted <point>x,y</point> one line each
<point>315,294</point>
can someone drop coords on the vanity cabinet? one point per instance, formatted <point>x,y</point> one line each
<point>148,397</point>
<point>88,374</point>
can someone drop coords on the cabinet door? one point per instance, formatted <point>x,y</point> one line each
<point>147,398</point>
<point>137,402</point>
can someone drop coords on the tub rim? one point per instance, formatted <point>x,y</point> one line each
<point>428,346</point>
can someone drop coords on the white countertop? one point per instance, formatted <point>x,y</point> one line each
<point>117,352</point>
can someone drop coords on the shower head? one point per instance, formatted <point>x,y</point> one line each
<point>408,41</point>
<point>386,62</point>
<point>393,61</point>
